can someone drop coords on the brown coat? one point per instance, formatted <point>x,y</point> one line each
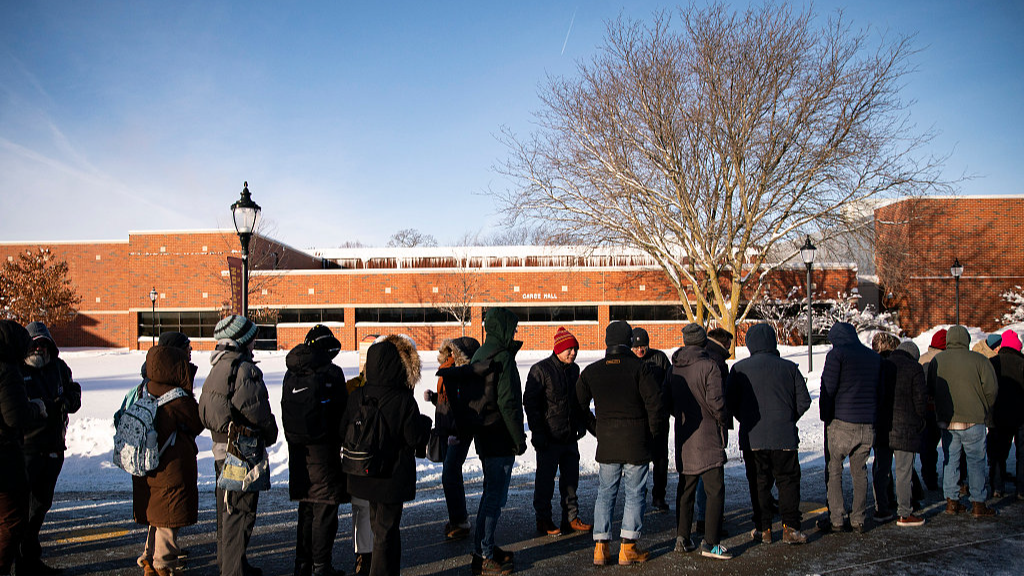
<point>168,497</point>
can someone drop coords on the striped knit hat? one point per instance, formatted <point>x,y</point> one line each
<point>564,340</point>
<point>237,328</point>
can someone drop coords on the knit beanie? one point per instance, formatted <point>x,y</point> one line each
<point>694,335</point>
<point>564,340</point>
<point>640,337</point>
<point>909,347</point>
<point>235,327</point>
<point>939,340</point>
<point>618,333</point>
<point>174,340</point>
<point>1011,340</point>
<point>321,338</point>
<point>993,341</point>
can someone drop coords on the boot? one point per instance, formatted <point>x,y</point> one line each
<point>147,567</point>
<point>629,553</point>
<point>793,536</point>
<point>602,553</point>
<point>303,568</point>
<point>326,569</point>
<point>363,563</point>
<point>954,506</point>
<point>981,511</point>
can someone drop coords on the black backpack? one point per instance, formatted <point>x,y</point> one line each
<point>304,411</point>
<point>368,448</point>
<point>472,393</point>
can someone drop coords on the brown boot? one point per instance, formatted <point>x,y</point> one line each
<point>602,553</point>
<point>954,506</point>
<point>147,567</point>
<point>981,511</point>
<point>629,553</point>
<point>793,536</point>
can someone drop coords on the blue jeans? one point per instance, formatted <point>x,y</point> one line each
<point>497,477</point>
<point>973,442</point>
<point>634,478</point>
<point>451,480</point>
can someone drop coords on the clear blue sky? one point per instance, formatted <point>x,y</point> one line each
<point>352,120</point>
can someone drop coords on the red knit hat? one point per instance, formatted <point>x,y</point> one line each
<point>564,340</point>
<point>939,340</point>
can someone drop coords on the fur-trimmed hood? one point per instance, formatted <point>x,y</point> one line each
<point>459,349</point>
<point>409,355</point>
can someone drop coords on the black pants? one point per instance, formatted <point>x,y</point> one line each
<point>563,459</point>
<point>930,471</point>
<point>660,467</point>
<point>317,528</point>
<point>750,467</point>
<point>781,468</point>
<point>13,518</point>
<point>236,517</point>
<point>43,470</point>
<point>387,539</point>
<point>714,488</point>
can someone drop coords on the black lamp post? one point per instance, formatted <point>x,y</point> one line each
<point>807,253</point>
<point>957,270</point>
<point>152,298</point>
<point>245,213</point>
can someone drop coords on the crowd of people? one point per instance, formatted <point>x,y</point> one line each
<point>887,399</point>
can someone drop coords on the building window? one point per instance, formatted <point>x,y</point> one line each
<point>553,313</point>
<point>402,315</point>
<point>310,315</point>
<point>647,312</point>
<point>194,324</point>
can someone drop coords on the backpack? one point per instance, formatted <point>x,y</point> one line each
<point>304,410</point>
<point>368,446</point>
<point>472,394</point>
<point>135,439</point>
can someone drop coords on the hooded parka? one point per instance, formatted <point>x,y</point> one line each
<point>963,382</point>
<point>696,398</point>
<point>505,436</point>
<point>910,403</point>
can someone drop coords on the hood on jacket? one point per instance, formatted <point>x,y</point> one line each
<point>305,358</point>
<point>459,349</point>
<point>385,365</point>
<point>688,355</point>
<point>407,353</point>
<point>14,342</point>
<point>37,330</point>
<point>500,324</point>
<point>958,337</point>
<point>761,339</point>
<point>168,365</point>
<point>843,334</point>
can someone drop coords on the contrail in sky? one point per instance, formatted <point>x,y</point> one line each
<point>570,30</point>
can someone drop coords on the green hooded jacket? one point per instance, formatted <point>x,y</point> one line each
<point>500,347</point>
<point>963,382</point>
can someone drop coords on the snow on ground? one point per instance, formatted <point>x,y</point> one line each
<point>107,374</point>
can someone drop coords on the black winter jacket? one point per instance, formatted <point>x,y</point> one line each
<point>909,403</point>
<point>15,411</point>
<point>550,403</point>
<point>696,399</point>
<point>53,385</point>
<point>850,380</point>
<point>1009,410</point>
<point>628,406</point>
<point>503,433</point>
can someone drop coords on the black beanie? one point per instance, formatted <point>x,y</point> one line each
<point>640,337</point>
<point>694,335</point>
<point>174,340</point>
<point>618,333</point>
<point>322,338</point>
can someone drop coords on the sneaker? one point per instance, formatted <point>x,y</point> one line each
<point>489,566</point>
<point>764,536</point>
<point>793,536</point>
<point>659,505</point>
<point>684,544</point>
<point>954,506</point>
<point>578,525</point>
<point>717,551</point>
<point>979,510</point>
<point>456,531</point>
<point>859,528</point>
<point>882,517</point>
<point>904,521</point>
<point>546,526</point>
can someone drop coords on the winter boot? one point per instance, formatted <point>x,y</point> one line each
<point>602,553</point>
<point>954,506</point>
<point>546,526</point>
<point>326,569</point>
<point>630,553</point>
<point>147,567</point>
<point>303,568</point>
<point>793,536</point>
<point>363,564</point>
<point>979,510</point>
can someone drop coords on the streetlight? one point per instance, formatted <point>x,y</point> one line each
<point>245,213</point>
<point>152,298</point>
<point>957,270</point>
<point>807,253</point>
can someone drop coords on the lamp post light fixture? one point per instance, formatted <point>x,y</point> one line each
<point>957,270</point>
<point>807,253</point>
<point>152,298</point>
<point>246,214</point>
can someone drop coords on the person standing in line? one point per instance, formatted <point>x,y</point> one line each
<point>453,352</point>
<point>628,415</point>
<point>883,344</point>
<point>392,371</point>
<point>909,410</point>
<point>988,346</point>
<point>658,365</point>
<point>16,413</point>
<point>848,402</point>
<point>500,438</point>
<point>362,532</point>
<point>313,400</point>
<point>965,387</point>
<point>47,378</point>
<point>768,395</point>
<point>933,435</point>
<point>234,396</point>
<point>1009,414</point>
<point>166,499</point>
<point>718,346</point>
<point>556,425</point>
<point>696,399</point>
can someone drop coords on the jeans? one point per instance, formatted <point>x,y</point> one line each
<point>903,473</point>
<point>853,441</point>
<point>633,478</point>
<point>497,477</point>
<point>714,486</point>
<point>972,441</point>
<point>564,460</point>
<point>452,482</point>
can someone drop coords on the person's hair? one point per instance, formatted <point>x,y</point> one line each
<point>884,342</point>
<point>720,335</point>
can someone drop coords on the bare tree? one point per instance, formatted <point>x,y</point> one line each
<point>713,144</point>
<point>458,290</point>
<point>36,286</point>
<point>410,237</point>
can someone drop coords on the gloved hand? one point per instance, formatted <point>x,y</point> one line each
<point>40,406</point>
<point>540,442</point>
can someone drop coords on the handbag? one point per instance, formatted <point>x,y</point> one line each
<point>247,465</point>
<point>437,445</point>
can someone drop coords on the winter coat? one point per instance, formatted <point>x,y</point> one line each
<point>983,348</point>
<point>766,394</point>
<point>314,464</point>
<point>168,497</point>
<point>16,413</point>
<point>883,420</point>
<point>452,352</point>
<point>850,380</point>
<point>909,403</point>
<point>505,436</point>
<point>628,407</point>
<point>550,403</point>
<point>696,399</point>
<point>658,365</point>
<point>390,379</point>
<point>963,382</point>
<point>52,383</point>
<point>244,401</point>
<point>1009,367</point>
